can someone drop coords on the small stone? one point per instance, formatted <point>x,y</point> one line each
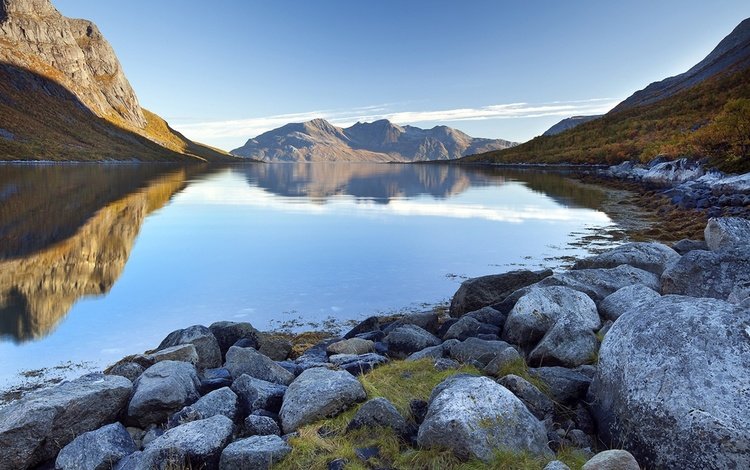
<point>351,346</point>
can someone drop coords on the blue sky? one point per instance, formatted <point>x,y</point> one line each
<point>227,70</point>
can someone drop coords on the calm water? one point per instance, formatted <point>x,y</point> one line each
<point>97,262</point>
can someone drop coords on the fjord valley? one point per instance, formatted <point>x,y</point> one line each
<point>361,283</point>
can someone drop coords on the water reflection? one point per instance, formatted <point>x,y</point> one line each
<point>67,232</point>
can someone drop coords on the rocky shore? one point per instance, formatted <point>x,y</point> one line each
<point>637,357</point>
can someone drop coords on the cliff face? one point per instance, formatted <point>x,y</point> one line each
<point>378,141</point>
<point>36,37</point>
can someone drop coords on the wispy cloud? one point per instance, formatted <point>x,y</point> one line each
<point>252,127</point>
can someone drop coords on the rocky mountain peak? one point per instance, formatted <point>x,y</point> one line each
<point>71,52</point>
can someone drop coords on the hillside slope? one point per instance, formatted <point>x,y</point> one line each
<point>64,96</point>
<point>379,141</point>
<point>680,122</point>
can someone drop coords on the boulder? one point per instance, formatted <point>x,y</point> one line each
<point>367,325</point>
<point>255,394</point>
<point>682,368</point>
<point>318,393</point>
<point>251,362</point>
<point>214,379</point>
<point>537,402</point>
<point>556,465</point>
<point>434,352</point>
<point>96,450</point>
<point>209,354</point>
<point>257,453</point>
<point>727,232</point>
<point>197,444</point>
<point>351,346</point>
<point>132,461</point>
<point>227,333</point>
<point>34,428</point>
<point>379,412</point>
<point>628,298</point>
<point>477,350</point>
<point>612,460</point>
<point>181,352</point>
<point>566,386</point>
<point>674,171</point>
<point>475,417</point>
<point>712,274</point>
<point>261,426</point>
<point>275,347</point>
<point>161,390</point>
<point>598,283</point>
<point>408,339</point>
<point>467,327</point>
<point>649,256</point>
<point>503,359</point>
<point>684,246</point>
<point>129,370</point>
<point>358,364</point>
<point>426,320</point>
<point>219,402</point>
<point>488,315</point>
<point>480,292</point>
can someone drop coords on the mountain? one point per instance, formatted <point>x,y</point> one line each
<point>569,123</point>
<point>686,115</point>
<point>379,141</point>
<point>64,96</point>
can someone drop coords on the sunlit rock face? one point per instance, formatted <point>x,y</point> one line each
<point>72,52</point>
<point>38,289</point>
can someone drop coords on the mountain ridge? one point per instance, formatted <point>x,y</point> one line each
<point>381,140</point>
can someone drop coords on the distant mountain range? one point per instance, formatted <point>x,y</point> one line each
<point>64,96</point>
<point>661,119</point>
<point>379,141</point>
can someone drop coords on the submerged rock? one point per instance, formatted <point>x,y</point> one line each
<point>34,428</point>
<point>96,450</point>
<point>680,368</point>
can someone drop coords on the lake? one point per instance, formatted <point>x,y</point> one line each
<point>101,261</point>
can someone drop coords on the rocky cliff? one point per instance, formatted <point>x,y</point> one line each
<point>378,141</point>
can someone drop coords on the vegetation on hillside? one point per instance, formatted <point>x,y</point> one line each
<point>708,120</point>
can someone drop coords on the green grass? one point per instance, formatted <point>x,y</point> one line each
<point>400,382</point>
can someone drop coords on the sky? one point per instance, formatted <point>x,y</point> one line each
<point>227,70</point>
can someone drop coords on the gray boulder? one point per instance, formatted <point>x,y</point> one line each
<point>475,417</point>
<point>408,339</point>
<point>598,283</point>
<point>35,428</point>
<point>257,453</point>
<point>503,359</point>
<point>467,327</point>
<point>318,393</point>
<point>357,364</point>
<point>351,346</point>
<point>628,298</point>
<point>129,370</point>
<point>227,333</point>
<point>209,354</point>
<point>255,394</point>
<point>218,402</point>
<point>426,320</point>
<point>261,426</point>
<point>556,465</point>
<point>488,315</point>
<point>251,362</point>
<point>712,274</point>
<point>566,386</point>
<point>181,352</point>
<point>537,402</point>
<point>683,246</point>
<point>649,256</point>
<point>612,460</point>
<point>197,444</point>
<point>96,450</point>
<point>161,390</point>
<point>680,369</point>
<point>132,461</point>
<point>434,352</point>
<point>477,350</point>
<point>727,232</point>
<point>480,292</point>
<point>274,346</point>
<point>379,412</point>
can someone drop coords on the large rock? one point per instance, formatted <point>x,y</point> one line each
<point>218,402</point>
<point>434,352</point>
<point>598,283</point>
<point>357,364</point>
<point>628,298</point>
<point>712,274</point>
<point>261,426</point>
<point>34,428</point>
<point>558,322</point>
<point>182,352</point>
<point>257,453</point>
<point>209,354</point>
<point>612,460</point>
<point>251,362</point>
<point>566,386</point>
<point>351,346</point>
<point>467,327</point>
<point>686,245</point>
<point>379,412</point>
<point>408,339</point>
<point>227,333</point>
<point>475,417</point>
<point>477,350</point>
<point>96,450</point>
<point>164,388</point>
<point>197,444</point>
<point>649,256</point>
<point>318,393</point>
<point>425,320</point>
<point>255,394</point>
<point>275,346</point>
<point>682,368</point>
<point>537,402</point>
<point>480,292</point>
<point>727,232</point>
